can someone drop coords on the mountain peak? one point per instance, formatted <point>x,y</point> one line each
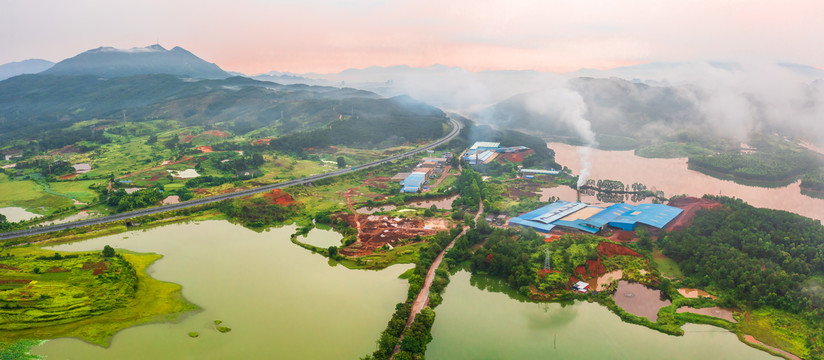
<point>109,62</point>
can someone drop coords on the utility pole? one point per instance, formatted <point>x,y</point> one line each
<point>546,261</point>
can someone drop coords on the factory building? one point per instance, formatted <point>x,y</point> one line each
<point>413,183</point>
<point>576,216</point>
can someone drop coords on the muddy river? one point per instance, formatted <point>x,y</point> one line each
<point>488,324</point>
<point>673,178</point>
<point>281,301</point>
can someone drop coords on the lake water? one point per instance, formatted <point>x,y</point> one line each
<point>487,324</point>
<point>280,300</point>
<point>15,214</point>
<point>323,238</point>
<point>673,178</point>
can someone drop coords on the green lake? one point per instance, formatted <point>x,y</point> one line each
<point>283,302</point>
<point>280,300</point>
<point>489,324</point>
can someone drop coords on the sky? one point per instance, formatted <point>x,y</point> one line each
<point>256,36</point>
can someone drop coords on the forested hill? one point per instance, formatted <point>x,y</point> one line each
<point>753,257</point>
<point>33,105</point>
<point>109,62</point>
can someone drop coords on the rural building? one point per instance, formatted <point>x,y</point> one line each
<point>534,172</point>
<point>400,176</point>
<point>576,216</point>
<point>413,183</point>
<point>581,286</point>
<point>480,157</point>
<point>82,168</point>
<point>485,145</point>
<point>437,161</point>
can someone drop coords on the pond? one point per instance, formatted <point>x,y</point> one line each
<point>15,214</point>
<point>488,324</point>
<point>280,300</point>
<point>441,203</point>
<point>323,238</point>
<point>639,300</point>
<point>673,178</point>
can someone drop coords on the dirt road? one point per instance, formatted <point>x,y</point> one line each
<point>423,296</point>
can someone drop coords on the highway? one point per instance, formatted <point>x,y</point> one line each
<point>456,128</point>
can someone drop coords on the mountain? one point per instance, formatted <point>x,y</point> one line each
<point>31,66</point>
<point>45,107</point>
<point>109,62</point>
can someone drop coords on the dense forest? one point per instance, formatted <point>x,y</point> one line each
<point>753,257</point>
<point>779,165</point>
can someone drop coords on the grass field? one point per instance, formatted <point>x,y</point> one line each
<point>667,266</point>
<point>779,329</point>
<point>29,195</point>
<point>74,302</point>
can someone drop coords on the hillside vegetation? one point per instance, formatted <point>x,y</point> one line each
<point>757,258</point>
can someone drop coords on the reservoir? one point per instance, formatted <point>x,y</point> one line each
<point>674,178</point>
<point>280,300</point>
<point>488,324</point>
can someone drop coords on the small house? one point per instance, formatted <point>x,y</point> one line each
<point>581,286</point>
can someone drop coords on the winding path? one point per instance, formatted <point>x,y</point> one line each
<point>423,296</point>
<point>456,128</point>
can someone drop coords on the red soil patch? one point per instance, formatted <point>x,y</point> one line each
<point>188,138</point>
<point>98,267</point>
<point>610,249</point>
<point>154,178</point>
<point>8,267</point>
<point>279,197</point>
<point>552,237</point>
<point>378,182</point>
<point>375,231</point>
<point>623,236</point>
<point>260,142</point>
<point>205,149</point>
<point>217,133</point>
<point>14,281</point>
<point>69,176</point>
<point>514,157</point>
<point>545,272</point>
<point>596,268</point>
<point>690,205</point>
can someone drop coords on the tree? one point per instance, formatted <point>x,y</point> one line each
<point>108,251</point>
<point>341,162</point>
<point>333,251</point>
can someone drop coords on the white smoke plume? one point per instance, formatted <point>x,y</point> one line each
<point>569,107</point>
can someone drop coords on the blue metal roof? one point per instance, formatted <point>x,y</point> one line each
<point>414,179</point>
<point>656,215</point>
<point>410,189</point>
<point>623,216</point>
<point>611,213</point>
<point>533,224</point>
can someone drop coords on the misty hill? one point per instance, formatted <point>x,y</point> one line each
<point>30,66</point>
<point>613,106</point>
<point>109,62</point>
<point>32,105</point>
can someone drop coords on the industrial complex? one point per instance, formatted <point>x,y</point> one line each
<point>577,216</point>
<point>484,152</point>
